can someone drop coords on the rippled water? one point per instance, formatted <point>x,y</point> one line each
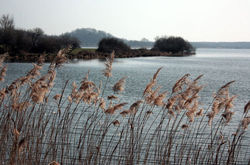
<point>219,66</point>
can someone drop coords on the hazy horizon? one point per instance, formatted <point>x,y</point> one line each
<point>194,20</point>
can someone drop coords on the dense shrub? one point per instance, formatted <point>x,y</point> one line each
<point>1,50</point>
<point>173,45</point>
<point>16,40</point>
<point>107,45</point>
<point>54,43</point>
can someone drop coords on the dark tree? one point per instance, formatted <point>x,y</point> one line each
<point>6,23</point>
<point>23,41</point>
<point>35,34</point>
<point>107,45</point>
<point>7,32</point>
<point>15,41</point>
<point>173,45</point>
<point>66,40</point>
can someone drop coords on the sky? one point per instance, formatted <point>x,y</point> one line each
<point>194,20</point>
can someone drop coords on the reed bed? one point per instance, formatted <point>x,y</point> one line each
<point>90,126</point>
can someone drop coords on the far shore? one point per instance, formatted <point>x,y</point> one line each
<point>91,53</point>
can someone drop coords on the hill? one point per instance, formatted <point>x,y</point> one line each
<point>90,37</point>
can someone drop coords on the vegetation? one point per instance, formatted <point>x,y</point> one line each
<point>89,37</point>
<point>87,125</point>
<point>27,45</point>
<point>173,45</point>
<point>77,51</point>
<point>107,45</point>
<point>15,41</point>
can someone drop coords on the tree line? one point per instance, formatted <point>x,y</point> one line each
<point>172,45</point>
<point>14,40</point>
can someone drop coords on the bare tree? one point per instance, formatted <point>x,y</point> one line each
<point>7,30</point>
<point>7,23</point>
<point>36,33</point>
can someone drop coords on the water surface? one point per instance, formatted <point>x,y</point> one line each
<point>218,66</point>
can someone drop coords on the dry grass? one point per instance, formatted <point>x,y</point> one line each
<point>87,126</point>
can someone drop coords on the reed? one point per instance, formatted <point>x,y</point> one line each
<point>87,126</point>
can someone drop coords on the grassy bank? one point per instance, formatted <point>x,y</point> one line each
<point>89,53</point>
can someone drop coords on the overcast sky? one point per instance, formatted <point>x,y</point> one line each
<point>194,20</point>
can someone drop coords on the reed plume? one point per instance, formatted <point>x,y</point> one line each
<point>3,73</point>
<point>135,106</point>
<point>2,58</point>
<point>200,113</point>
<point>22,145</point>
<point>222,99</point>
<point>60,58</point>
<point>102,104</point>
<point>54,163</point>
<point>178,85</point>
<point>184,126</point>
<point>112,109</point>
<point>116,123</point>
<point>33,73</point>
<point>210,116</point>
<point>229,103</point>
<point>119,86</point>
<point>247,107</point>
<point>152,96</point>
<point>152,83</point>
<point>226,85</point>
<point>41,60</point>
<point>159,99</point>
<point>171,102</point>
<point>125,113</point>
<point>109,61</point>
<point>245,122</point>
<point>227,115</point>
<point>32,133</point>
<point>16,133</point>
<point>149,113</point>
<point>112,97</point>
<point>156,74</point>
<point>57,97</point>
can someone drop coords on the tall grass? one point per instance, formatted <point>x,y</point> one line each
<point>89,126</point>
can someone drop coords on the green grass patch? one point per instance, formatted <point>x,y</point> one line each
<point>78,50</point>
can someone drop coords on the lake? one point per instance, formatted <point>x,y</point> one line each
<point>218,66</point>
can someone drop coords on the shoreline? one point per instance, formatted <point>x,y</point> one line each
<point>89,54</point>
